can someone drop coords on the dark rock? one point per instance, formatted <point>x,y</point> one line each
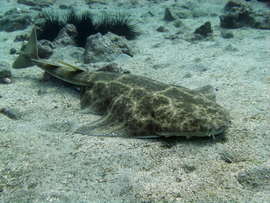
<point>204,30</point>
<point>234,155</point>
<point>168,16</point>
<point>66,36</point>
<point>226,34</point>
<point>12,51</point>
<point>23,37</point>
<point>237,14</point>
<point>235,5</point>
<point>77,54</point>
<point>261,20</point>
<point>162,29</point>
<point>256,179</point>
<point>4,70</point>
<point>105,48</point>
<point>188,168</point>
<point>45,48</point>
<point>112,67</point>
<point>39,3</point>
<point>178,23</point>
<point>62,6</point>
<point>15,20</point>
<point>11,113</point>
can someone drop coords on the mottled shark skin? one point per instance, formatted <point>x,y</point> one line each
<point>140,106</point>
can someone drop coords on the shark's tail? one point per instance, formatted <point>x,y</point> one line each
<point>28,52</point>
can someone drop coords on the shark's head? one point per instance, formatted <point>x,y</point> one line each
<point>178,111</point>
<point>194,115</point>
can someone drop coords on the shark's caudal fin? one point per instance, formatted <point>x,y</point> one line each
<point>28,52</point>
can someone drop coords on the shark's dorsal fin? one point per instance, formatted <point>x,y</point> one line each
<point>28,52</point>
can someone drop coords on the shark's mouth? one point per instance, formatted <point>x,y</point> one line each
<point>207,133</point>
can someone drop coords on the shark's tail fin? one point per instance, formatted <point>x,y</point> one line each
<point>28,52</point>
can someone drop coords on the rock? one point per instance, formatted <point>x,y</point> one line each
<point>178,23</point>
<point>12,51</point>
<point>112,67</point>
<point>5,73</point>
<point>256,179</point>
<point>66,36</point>
<point>168,16</point>
<point>15,19</point>
<point>162,29</point>
<point>237,14</point>
<point>45,48</point>
<point>189,168</point>
<point>105,48</point>
<point>234,155</point>
<point>204,30</point>
<point>226,34</point>
<point>11,113</point>
<point>39,3</point>
<point>234,5</point>
<point>261,20</point>
<point>21,37</point>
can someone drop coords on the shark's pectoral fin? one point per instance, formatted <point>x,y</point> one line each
<point>110,131</point>
<point>102,128</point>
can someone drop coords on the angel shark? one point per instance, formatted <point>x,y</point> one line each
<point>134,105</point>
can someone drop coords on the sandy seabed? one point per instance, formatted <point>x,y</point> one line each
<point>42,160</point>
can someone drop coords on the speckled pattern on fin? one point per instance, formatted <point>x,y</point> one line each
<point>72,67</point>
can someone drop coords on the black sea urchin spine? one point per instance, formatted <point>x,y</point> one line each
<point>84,25</point>
<point>54,21</point>
<point>119,24</point>
<point>50,27</point>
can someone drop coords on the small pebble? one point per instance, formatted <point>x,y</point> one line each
<point>9,113</point>
<point>12,51</point>
<point>6,80</point>
<point>20,38</point>
<point>5,73</point>
<point>162,29</point>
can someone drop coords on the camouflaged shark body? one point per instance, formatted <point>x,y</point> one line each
<point>140,106</point>
<point>148,107</point>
